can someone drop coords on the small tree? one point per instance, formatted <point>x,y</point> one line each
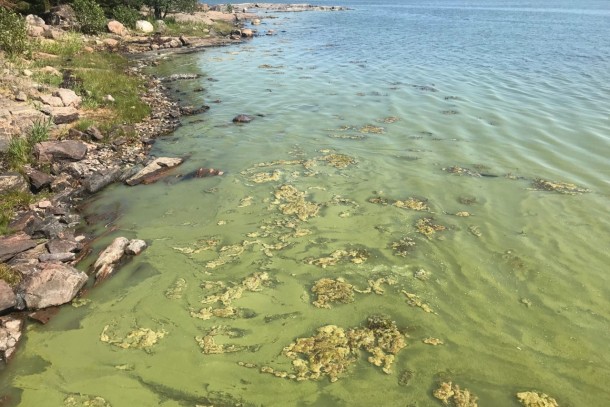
<point>160,8</point>
<point>90,16</point>
<point>13,33</point>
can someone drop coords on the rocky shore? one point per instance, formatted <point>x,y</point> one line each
<point>39,255</point>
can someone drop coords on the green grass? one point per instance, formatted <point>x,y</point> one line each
<point>187,28</point>
<point>9,202</point>
<point>70,44</point>
<point>9,275</point>
<point>20,148</point>
<point>84,124</point>
<point>223,27</point>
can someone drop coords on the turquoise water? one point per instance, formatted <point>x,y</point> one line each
<point>360,111</point>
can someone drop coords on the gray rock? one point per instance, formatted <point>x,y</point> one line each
<point>7,296</point>
<point>135,247</point>
<point>35,31</point>
<point>94,133</point>
<point>21,97</point>
<point>34,20</point>
<point>10,333</point>
<point>242,118</point>
<point>72,150</point>
<point>77,169</point>
<point>109,258</point>
<point>68,97</point>
<point>153,169</point>
<point>12,182</point>
<point>54,284</point>
<point>63,246</point>
<point>52,33</point>
<point>60,257</point>
<point>53,101</point>
<point>50,227</point>
<point>39,179</point>
<point>102,179</point>
<point>14,244</point>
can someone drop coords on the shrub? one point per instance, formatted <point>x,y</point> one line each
<point>90,16</point>
<point>126,15</point>
<point>13,33</point>
<point>9,202</point>
<point>9,275</point>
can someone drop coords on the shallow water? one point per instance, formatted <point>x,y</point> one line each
<point>519,290</point>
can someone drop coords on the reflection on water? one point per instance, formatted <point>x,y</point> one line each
<point>385,226</point>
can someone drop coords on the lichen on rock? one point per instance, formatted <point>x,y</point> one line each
<point>370,129</point>
<point>139,338</point>
<point>536,399</point>
<point>333,350</point>
<point>356,256</point>
<point>415,204</point>
<point>451,395</point>
<point>291,201</point>
<point>540,184</point>
<point>426,227</point>
<point>328,291</point>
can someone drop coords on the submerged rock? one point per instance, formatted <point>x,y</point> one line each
<point>152,171</point>
<point>243,118</point>
<point>109,258</point>
<point>10,333</point>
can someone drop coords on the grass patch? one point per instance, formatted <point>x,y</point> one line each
<point>84,124</point>
<point>223,27</point>
<point>9,275</point>
<point>9,203</point>
<point>174,28</point>
<point>20,148</point>
<point>70,44</point>
<point>97,74</point>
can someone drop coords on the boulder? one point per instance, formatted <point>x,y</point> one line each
<point>61,115</point>
<point>14,244</point>
<point>21,96</point>
<point>49,227</point>
<point>68,97</point>
<point>144,26</point>
<point>12,182</point>
<point>94,133</point>
<point>117,28</point>
<point>174,43</point>
<point>52,33</point>
<point>109,258</point>
<point>153,170</point>
<point>39,180</point>
<point>35,31</point>
<point>71,150</point>
<point>62,15</point>
<point>33,20</point>
<point>54,284</point>
<point>135,247</point>
<point>7,296</point>
<point>242,118</point>
<point>10,332</point>
<point>247,33</point>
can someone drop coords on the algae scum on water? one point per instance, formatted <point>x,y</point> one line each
<point>383,233</point>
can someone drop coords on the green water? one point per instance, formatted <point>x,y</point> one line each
<point>519,290</point>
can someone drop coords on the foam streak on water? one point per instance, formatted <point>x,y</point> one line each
<point>359,111</point>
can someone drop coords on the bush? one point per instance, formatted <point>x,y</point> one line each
<point>90,16</point>
<point>127,16</point>
<point>13,33</point>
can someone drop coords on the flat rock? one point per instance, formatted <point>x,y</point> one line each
<point>109,258</point>
<point>14,244</point>
<point>60,257</point>
<point>13,182</point>
<point>54,284</point>
<point>63,246</point>
<point>135,247</point>
<point>71,150</point>
<point>61,115</point>
<point>7,296</point>
<point>49,227</point>
<point>153,169</point>
<point>50,100</point>
<point>68,97</point>
<point>10,333</point>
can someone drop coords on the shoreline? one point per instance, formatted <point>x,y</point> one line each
<point>42,246</point>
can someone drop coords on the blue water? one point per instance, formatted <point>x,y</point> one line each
<point>416,96</point>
